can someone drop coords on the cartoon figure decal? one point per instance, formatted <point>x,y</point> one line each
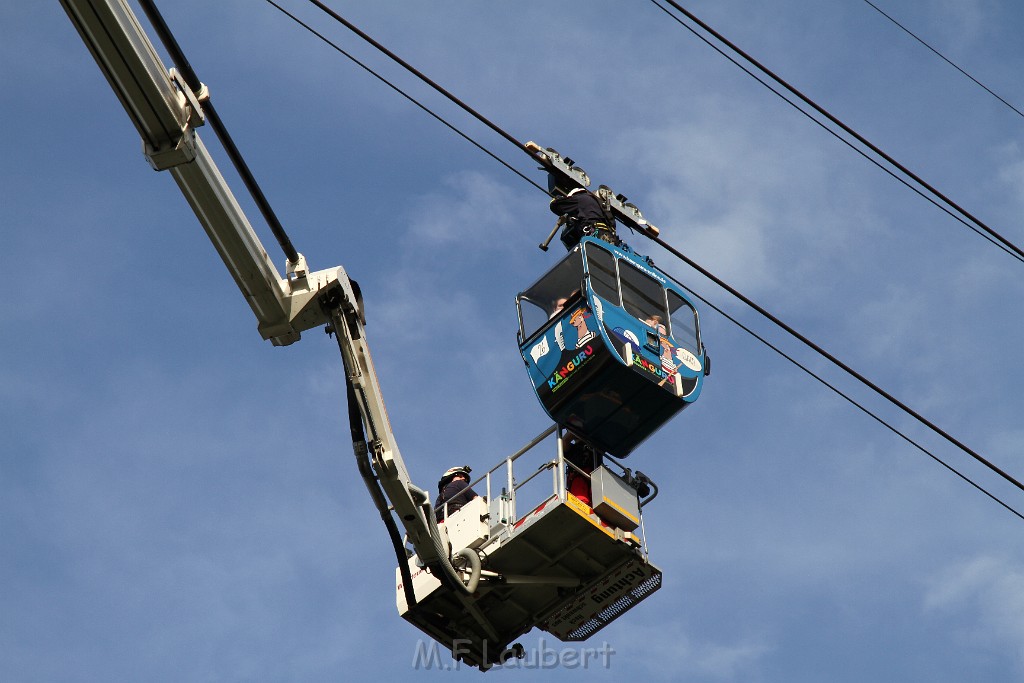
<point>579,320</point>
<point>573,341</point>
<point>669,362</point>
<point>563,349</point>
<point>557,351</point>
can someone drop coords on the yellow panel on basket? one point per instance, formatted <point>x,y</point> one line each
<point>584,511</point>
<point>626,513</point>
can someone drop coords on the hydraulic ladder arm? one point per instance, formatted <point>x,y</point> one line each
<point>166,112</point>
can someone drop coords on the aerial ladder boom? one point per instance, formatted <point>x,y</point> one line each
<point>166,112</point>
<point>491,574</point>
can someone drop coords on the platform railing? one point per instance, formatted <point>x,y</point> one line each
<point>502,476</point>
<point>506,496</point>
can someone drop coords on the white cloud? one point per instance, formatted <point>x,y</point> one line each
<point>670,652</point>
<point>986,596</point>
<point>756,206</point>
<point>473,213</point>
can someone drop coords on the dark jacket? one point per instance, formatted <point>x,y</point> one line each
<point>459,488</point>
<point>582,210</point>
<point>579,204</point>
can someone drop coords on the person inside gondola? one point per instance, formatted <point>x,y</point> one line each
<point>453,489</point>
<point>558,305</point>
<point>655,322</point>
<point>581,459</point>
<point>581,212</point>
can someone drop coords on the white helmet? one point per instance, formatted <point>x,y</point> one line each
<point>451,473</point>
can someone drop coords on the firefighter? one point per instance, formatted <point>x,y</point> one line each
<point>453,489</point>
<point>581,213</point>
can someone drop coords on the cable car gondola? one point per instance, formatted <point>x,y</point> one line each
<point>612,345</point>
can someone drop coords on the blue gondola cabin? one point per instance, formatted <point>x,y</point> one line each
<point>612,345</point>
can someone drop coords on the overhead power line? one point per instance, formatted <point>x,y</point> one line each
<point>416,72</point>
<point>398,90</point>
<point>861,407</point>
<point>943,57</point>
<point>821,124</point>
<point>840,364</point>
<point>1017,252</point>
<point>750,303</point>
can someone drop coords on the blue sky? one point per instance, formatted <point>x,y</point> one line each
<point>178,500</point>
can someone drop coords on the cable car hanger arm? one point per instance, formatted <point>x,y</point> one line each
<point>563,168</point>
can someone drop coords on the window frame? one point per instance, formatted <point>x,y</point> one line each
<point>564,279</point>
<point>590,251</point>
<point>633,309</point>
<point>680,339</point>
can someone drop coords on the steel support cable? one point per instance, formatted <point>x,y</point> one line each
<point>1017,251</point>
<point>401,92</point>
<point>514,141</point>
<point>851,400</point>
<point>981,229</point>
<point>944,58</point>
<point>838,363</point>
<point>815,347</point>
<point>903,181</point>
<point>423,77</point>
<point>193,82</point>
